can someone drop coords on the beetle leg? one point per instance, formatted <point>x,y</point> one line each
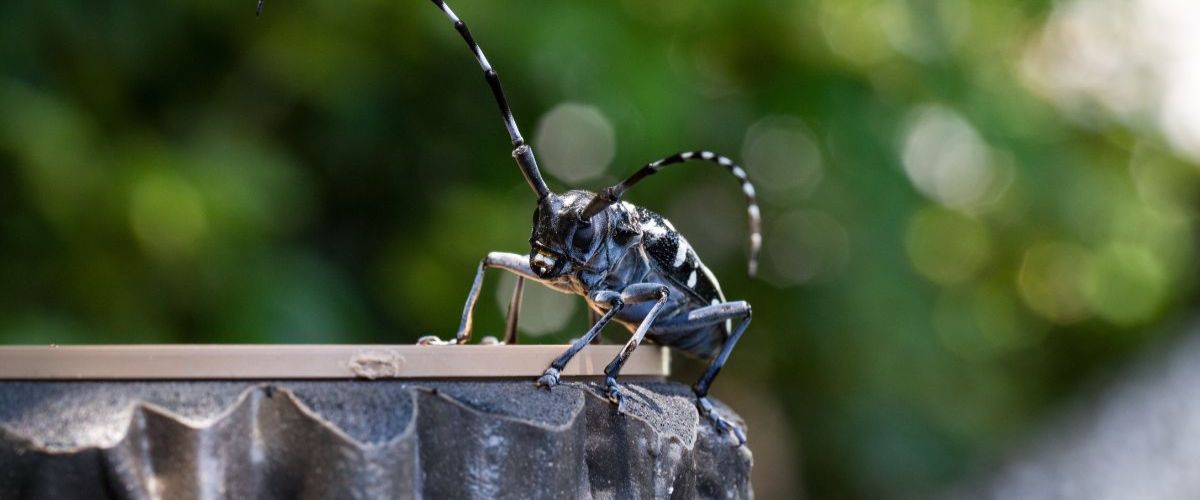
<point>593,318</point>
<point>633,294</point>
<point>514,312</point>
<point>709,316</point>
<point>511,262</point>
<point>613,300</point>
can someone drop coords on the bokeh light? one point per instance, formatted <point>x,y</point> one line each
<point>782,157</point>
<point>945,246</point>
<point>543,311</point>
<point>946,159</point>
<point>806,246</point>
<point>575,142</point>
<point>167,215</point>
<point>1051,281</point>
<point>925,31</point>
<point>1129,61</point>
<point>1125,284</point>
<point>852,31</point>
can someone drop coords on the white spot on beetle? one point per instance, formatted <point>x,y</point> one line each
<point>748,189</point>
<point>692,279</point>
<point>681,249</point>
<point>686,156</point>
<point>707,155</point>
<point>754,211</point>
<point>725,161</point>
<point>651,225</point>
<point>738,172</point>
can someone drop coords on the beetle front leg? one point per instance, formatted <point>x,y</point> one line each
<point>613,300</point>
<point>593,318</point>
<point>633,294</point>
<point>511,262</point>
<point>514,312</point>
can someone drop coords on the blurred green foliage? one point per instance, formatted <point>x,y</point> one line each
<point>948,253</point>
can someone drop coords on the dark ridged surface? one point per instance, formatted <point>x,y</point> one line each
<point>359,439</point>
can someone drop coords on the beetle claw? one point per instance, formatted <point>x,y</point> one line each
<point>613,391</point>
<point>722,425</point>
<point>549,378</point>
<point>433,340</point>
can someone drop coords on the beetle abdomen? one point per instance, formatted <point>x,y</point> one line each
<point>702,343</point>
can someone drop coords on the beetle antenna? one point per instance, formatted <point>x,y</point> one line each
<point>612,194</point>
<point>522,153</point>
<point>258,10</point>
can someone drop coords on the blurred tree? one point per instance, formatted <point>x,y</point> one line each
<point>958,231</point>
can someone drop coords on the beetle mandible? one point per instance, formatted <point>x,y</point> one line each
<point>629,264</point>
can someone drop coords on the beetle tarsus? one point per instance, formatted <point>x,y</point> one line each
<point>613,391</point>
<point>722,425</point>
<point>549,378</point>
<point>432,340</point>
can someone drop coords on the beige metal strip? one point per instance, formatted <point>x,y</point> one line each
<point>141,362</point>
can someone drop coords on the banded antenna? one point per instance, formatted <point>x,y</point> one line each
<point>522,153</point>
<point>612,194</point>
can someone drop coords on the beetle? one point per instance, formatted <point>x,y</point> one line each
<point>630,265</point>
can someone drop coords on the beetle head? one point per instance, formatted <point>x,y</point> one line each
<point>563,240</point>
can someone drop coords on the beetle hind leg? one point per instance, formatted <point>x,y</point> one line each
<point>702,385</point>
<point>722,425</point>
<point>677,332</point>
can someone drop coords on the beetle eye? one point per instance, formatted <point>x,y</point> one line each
<point>582,240</point>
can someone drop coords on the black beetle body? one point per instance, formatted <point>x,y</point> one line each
<point>629,264</point>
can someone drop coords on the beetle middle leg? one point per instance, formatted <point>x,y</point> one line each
<point>514,311</point>
<point>615,303</point>
<point>636,293</point>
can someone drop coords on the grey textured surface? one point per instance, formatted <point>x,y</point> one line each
<point>1136,438</point>
<point>360,439</point>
